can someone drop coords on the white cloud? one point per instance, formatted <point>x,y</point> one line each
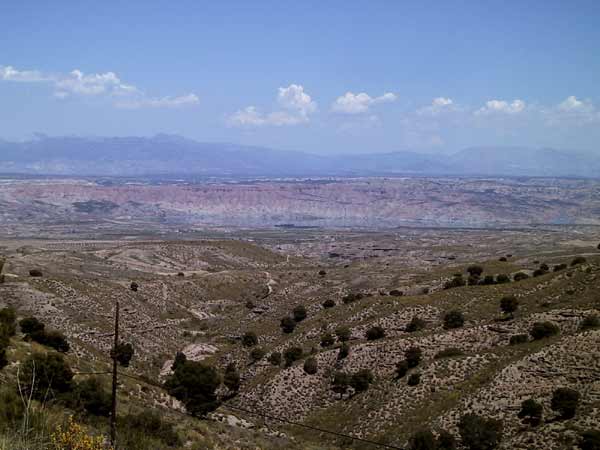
<point>108,84</point>
<point>438,106</point>
<point>501,106</point>
<point>163,102</point>
<point>297,106</point>
<point>294,98</point>
<point>572,111</point>
<point>351,103</point>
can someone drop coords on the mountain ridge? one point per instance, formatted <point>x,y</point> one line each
<point>172,154</point>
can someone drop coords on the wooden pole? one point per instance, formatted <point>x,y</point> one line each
<point>113,414</point>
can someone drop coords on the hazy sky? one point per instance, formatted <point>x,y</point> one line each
<point>319,76</point>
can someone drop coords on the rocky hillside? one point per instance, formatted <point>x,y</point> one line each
<point>366,300</point>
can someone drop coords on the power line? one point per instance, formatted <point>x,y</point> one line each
<point>254,413</point>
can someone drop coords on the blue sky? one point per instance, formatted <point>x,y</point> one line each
<point>318,76</point>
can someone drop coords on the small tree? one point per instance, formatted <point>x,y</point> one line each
<point>340,383</point>
<point>361,380</point>
<point>401,369</point>
<point>327,340</point>
<point>453,319</point>
<point>479,433</point>
<point>311,366</point>
<point>413,356</point>
<point>414,379</point>
<point>43,375</point>
<point>329,303</point>
<point>541,330</point>
<point>446,441</point>
<point>30,325</point>
<point>123,353</point>
<point>134,286</point>
<point>565,402</point>
<point>422,440</point>
<point>257,354</point>
<point>343,333</point>
<point>590,439</point>
<point>292,354</point>
<point>54,339</point>
<point>249,339</point>
<point>590,322</point>
<point>531,412</point>
<point>520,276</point>
<point>344,350</point>
<point>275,358</point>
<point>231,380</point>
<point>375,333</point>
<point>180,358</point>
<point>288,325</point>
<point>299,313</point>
<point>509,304</point>
<point>416,324</point>
<point>195,383</point>
<point>518,339</point>
<point>475,270</point>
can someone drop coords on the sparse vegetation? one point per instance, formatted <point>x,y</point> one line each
<point>541,330</point>
<point>361,380</point>
<point>450,352</point>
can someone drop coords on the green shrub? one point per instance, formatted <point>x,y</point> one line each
<point>518,339</point>
<point>509,304</point>
<point>31,325</point>
<point>257,354</point>
<point>231,379</point>
<point>288,325</point>
<point>249,339</point>
<point>479,433</point>
<point>475,270</point>
<point>578,260</point>
<point>195,383</point>
<point>8,321</point>
<point>456,281</point>
<point>12,409</point>
<point>329,303</point>
<point>352,297</point>
<point>559,267</point>
<point>123,353</point>
<point>531,412</point>
<point>43,376</point>
<point>361,380</point>
<point>146,424</point>
<point>590,322</point>
<point>413,356</point>
<point>327,340</point>
<point>35,273</point>
<point>488,280</point>
<point>422,440</point>
<point>502,279</point>
<point>275,358</point>
<point>453,319</point>
<point>311,366</point>
<point>91,395</point>
<point>299,313</point>
<point>340,383</point>
<point>414,379</point>
<point>416,324</point>
<point>375,333</point>
<point>542,330</point>
<point>344,350</point>
<point>54,339</point>
<point>590,439</point>
<point>292,354</point>
<point>565,401</point>
<point>520,276</point>
<point>343,333</point>
<point>446,441</point>
<point>449,353</point>
<point>401,369</point>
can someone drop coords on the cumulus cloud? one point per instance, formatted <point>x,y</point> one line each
<point>77,83</point>
<point>351,103</point>
<point>438,106</point>
<point>572,111</point>
<point>296,106</point>
<point>501,106</point>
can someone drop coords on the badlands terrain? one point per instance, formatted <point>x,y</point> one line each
<point>201,292</point>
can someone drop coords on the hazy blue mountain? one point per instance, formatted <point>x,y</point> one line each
<point>175,155</point>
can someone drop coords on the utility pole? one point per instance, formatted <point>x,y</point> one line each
<point>113,414</point>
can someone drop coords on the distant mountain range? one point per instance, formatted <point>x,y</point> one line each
<point>175,155</point>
